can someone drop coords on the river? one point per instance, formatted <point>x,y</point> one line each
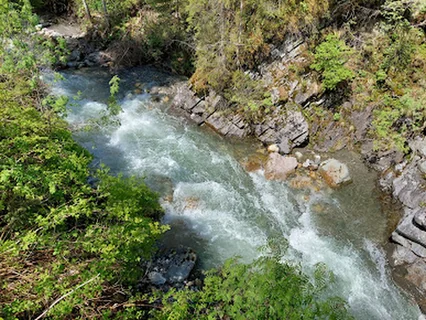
<point>214,206</point>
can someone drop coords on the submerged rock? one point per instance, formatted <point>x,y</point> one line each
<point>334,172</point>
<point>279,167</point>
<point>171,266</point>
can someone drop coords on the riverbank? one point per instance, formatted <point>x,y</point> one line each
<point>301,112</point>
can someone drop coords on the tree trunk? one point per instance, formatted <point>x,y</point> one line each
<point>106,14</point>
<point>86,7</point>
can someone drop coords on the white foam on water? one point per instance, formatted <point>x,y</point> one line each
<point>234,213</point>
<point>368,293</point>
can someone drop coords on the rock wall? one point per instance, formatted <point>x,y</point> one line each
<point>409,187</point>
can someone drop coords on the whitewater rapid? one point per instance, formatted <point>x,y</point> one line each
<point>216,207</point>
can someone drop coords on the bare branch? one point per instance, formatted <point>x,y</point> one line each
<point>64,296</point>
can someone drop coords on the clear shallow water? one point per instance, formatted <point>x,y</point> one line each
<point>220,210</point>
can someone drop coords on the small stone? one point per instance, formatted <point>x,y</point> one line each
<point>306,164</point>
<point>273,148</point>
<point>298,155</point>
<point>317,159</point>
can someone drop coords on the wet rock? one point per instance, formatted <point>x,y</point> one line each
<point>184,98</point>
<point>171,266</point>
<point>382,160</point>
<point>402,255</point>
<point>279,167</point>
<point>221,124</point>
<point>156,278</point>
<point>408,230</point>
<point>417,274</point>
<point>72,64</point>
<point>409,187</point>
<point>386,180</point>
<point>334,172</point>
<point>197,119</point>
<point>75,55</point>
<point>98,58</point>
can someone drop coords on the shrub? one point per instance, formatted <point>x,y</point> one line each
<point>264,289</point>
<point>330,58</point>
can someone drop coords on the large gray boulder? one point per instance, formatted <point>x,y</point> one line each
<point>279,167</point>
<point>334,172</point>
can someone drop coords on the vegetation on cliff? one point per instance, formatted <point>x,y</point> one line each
<point>371,53</point>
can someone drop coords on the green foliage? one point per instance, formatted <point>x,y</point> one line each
<point>60,236</point>
<point>330,59</point>
<point>264,289</point>
<point>399,53</point>
<point>51,217</point>
<point>22,52</point>
<point>235,35</point>
<point>113,107</point>
<point>400,119</point>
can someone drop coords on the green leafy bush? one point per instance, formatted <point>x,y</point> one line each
<point>330,59</point>
<point>399,119</point>
<point>264,289</point>
<point>66,247</point>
